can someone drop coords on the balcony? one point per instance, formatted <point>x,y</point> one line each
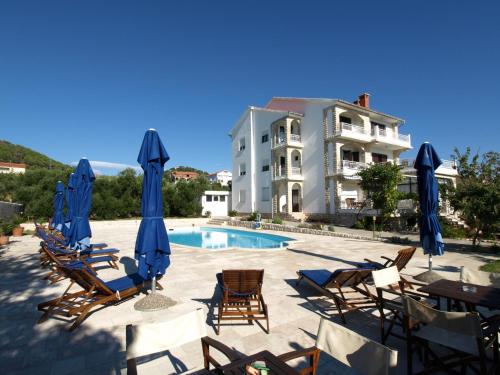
<point>295,141</point>
<point>349,169</point>
<point>353,132</point>
<point>294,175</point>
<point>389,138</point>
<point>296,171</point>
<point>448,167</point>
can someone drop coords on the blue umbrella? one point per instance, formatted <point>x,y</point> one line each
<point>426,163</point>
<point>152,248</point>
<point>57,221</point>
<point>79,232</point>
<point>70,203</point>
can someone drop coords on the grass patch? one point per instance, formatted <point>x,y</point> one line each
<point>491,267</point>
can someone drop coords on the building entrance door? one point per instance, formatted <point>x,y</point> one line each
<point>295,201</point>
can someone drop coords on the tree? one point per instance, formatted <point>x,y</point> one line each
<point>477,195</point>
<point>380,182</point>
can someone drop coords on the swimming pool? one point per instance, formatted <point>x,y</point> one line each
<point>222,238</point>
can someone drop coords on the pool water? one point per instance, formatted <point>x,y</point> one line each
<point>222,238</point>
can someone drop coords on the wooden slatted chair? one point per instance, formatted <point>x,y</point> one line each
<point>347,287</point>
<point>241,297</point>
<point>94,292</point>
<point>400,261</point>
<point>462,333</point>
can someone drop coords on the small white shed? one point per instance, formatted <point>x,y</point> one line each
<point>216,202</point>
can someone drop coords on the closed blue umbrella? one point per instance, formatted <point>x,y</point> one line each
<point>70,203</point>
<point>426,163</point>
<point>79,232</point>
<point>57,221</point>
<point>152,248</point>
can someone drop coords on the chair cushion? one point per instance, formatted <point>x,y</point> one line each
<point>97,252</point>
<point>98,260</point>
<point>323,277</point>
<point>449,339</point>
<point>124,282</point>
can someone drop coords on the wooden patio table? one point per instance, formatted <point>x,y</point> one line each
<point>276,366</point>
<point>471,295</point>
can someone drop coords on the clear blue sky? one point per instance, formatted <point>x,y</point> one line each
<point>87,78</point>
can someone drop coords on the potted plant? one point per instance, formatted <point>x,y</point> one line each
<point>5,231</point>
<point>17,231</point>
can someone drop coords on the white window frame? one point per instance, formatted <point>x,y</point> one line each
<point>242,196</point>
<point>241,144</point>
<point>243,169</point>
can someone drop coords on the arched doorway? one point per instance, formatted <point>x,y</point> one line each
<point>296,198</point>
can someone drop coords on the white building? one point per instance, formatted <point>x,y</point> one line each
<point>300,157</point>
<point>215,202</point>
<point>223,177</point>
<point>7,167</point>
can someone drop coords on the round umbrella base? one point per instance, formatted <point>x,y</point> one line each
<point>154,302</point>
<point>428,277</point>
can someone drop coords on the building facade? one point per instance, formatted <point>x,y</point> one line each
<point>215,202</point>
<point>299,157</point>
<point>7,167</point>
<point>222,177</point>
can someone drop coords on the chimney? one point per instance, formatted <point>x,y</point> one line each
<point>364,100</point>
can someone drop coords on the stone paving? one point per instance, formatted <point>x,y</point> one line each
<point>98,346</point>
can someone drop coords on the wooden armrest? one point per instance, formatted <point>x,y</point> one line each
<point>207,342</point>
<point>311,353</point>
<point>386,258</point>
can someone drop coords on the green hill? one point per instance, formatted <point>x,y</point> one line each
<point>10,152</point>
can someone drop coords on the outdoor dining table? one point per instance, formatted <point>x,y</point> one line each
<point>275,365</point>
<point>471,295</point>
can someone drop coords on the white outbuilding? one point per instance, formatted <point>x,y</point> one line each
<point>215,202</point>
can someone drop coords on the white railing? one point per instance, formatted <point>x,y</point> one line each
<point>295,137</point>
<point>382,132</point>
<point>280,141</point>
<point>347,164</point>
<point>448,164</point>
<point>404,137</point>
<point>352,128</point>
<point>350,206</point>
<point>296,171</point>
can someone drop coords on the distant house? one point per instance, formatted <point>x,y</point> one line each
<point>182,175</point>
<point>215,202</point>
<point>222,177</point>
<point>7,167</point>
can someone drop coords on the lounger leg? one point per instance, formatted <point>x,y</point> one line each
<point>339,308</point>
<point>80,318</point>
<point>299,280</point>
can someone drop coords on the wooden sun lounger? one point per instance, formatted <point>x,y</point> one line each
<point>241,297</point>
<point>400,261</point>
<point>347,287</point>
<point>95,292</point>
<point>56,261</point>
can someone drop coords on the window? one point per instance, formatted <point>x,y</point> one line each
<point>379,158</point>
<point>265,165</point>
<point>347,120</point>
<point>209,198</point>
<point>242,196</point>
<point>242,144</point>
<point>350,155</point>
<point>243,169</point>
<point>265,194</point>
<point>265,137</point>
<point>216,198</point>
<point>222,198</point>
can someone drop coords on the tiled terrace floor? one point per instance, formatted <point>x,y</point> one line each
<point>98,346</point>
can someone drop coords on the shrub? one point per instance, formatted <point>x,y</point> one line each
<point>277,220</point>
<point>233,213</point>
<point>253,216</point>
<point>208,213</point>
<point>400,240</point>
<point>318,226</point>
<point>450,231</point>
<point>6,226</point>
<point>358,225</point>
<point>304,225</point>
<point>331,228</point>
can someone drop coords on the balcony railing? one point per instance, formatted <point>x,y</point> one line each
<point>295,137</point>
<point>448,164</point>
<point>352,128</point>
<point>355,165</point>
<point>404,137</point>
<point>296,171</point>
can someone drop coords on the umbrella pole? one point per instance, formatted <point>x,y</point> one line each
<point>430,262</point>
<point>153,285</point>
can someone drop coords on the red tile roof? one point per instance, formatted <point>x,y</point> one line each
<point>12,165</point>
